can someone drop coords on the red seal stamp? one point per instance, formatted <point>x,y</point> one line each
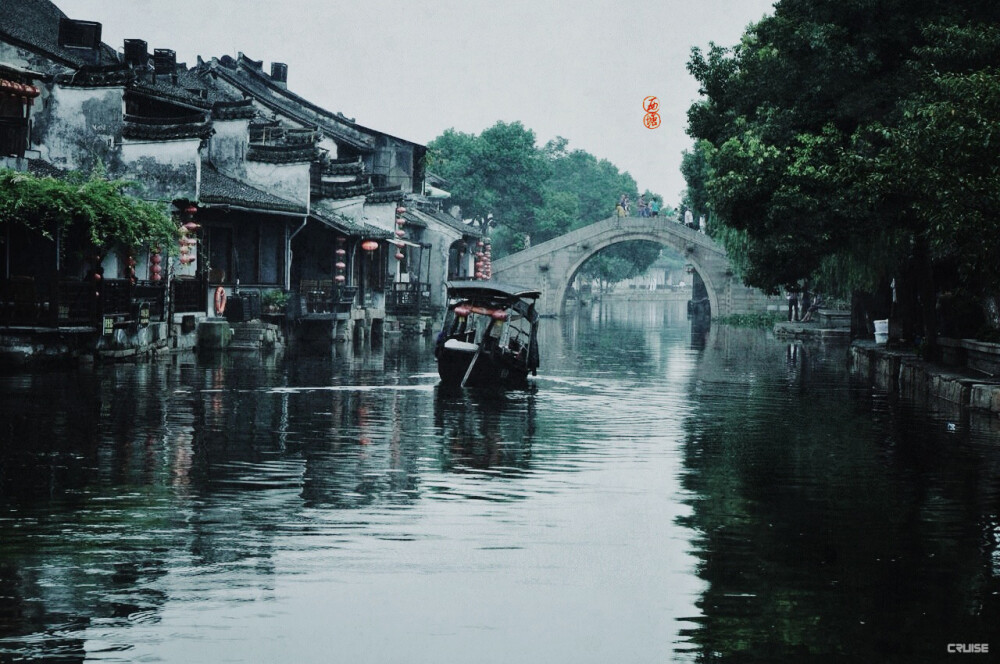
<point>652,118</point>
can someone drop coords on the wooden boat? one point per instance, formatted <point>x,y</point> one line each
<point>489,337</point>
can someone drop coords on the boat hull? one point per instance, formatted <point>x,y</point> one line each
<point>488,371</point>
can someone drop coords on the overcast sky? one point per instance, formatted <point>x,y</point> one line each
<point>413,69</point>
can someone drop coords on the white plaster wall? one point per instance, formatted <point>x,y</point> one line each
<point>440,238</point>
<point>78,125</point>
<point>289,181</point>
<point>382,215</point>
<point>352,208</point>
<point>328,144</point>
<point>168,153</point>
<point>12,55</point>
<point>19,57</point>
<point>166,169</point>
<point>227,148</point>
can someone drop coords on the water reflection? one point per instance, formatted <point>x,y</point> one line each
<point>666,487</point>
<point>485,430</point>
<point>847,527</point>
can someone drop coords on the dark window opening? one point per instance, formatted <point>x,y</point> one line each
<point>251,250</point>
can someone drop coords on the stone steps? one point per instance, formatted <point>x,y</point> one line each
<point>255,335</point>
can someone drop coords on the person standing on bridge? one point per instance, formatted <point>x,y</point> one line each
<point>654,208</point>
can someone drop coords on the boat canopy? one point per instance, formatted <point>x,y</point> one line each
<point>489,290</point>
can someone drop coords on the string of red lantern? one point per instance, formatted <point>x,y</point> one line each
<point>340,265</point>
<point>188,243</point>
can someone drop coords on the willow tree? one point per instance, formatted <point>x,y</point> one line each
<point>851,141</point>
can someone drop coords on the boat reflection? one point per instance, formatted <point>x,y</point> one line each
<point>483,429</point>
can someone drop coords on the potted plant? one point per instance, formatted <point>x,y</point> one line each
<point>274,301</point>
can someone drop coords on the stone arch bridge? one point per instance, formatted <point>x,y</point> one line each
<point>552,265</point>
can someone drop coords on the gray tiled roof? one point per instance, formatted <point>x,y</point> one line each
<point>385,195</point>
<point>442,218</point>
<point>338,190</point>
<point>35,25</point>
<point>163,88</point>
<point>351,227</point>
<point>244,75</point>
<point>219,189</point>
<point>165,129</point>
<point>281,154</point>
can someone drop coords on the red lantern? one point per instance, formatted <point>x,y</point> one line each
<point>400,221</point>
<point>479,275</point>
<point>499,314</point>
<point>462,311</point>
<point>340,278</point>
<point>191,210</point>
<point>155,277</point>
<point>369,245</point>
<point>156,258</point>
<point>156,269</point>
<point>341,252</point>
<point>191,226</point>
<point>400,210</point>
<point>399,256</point>
<point>340,265</point>
<point>400,233</point>
<point>185,260</point>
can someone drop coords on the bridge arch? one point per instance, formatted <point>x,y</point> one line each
<point>562,285</point>
<point>551,266</point>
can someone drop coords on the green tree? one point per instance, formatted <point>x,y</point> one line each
<point>502,180</point>
<point>621,261</point>
<point>498,175</point>
<point>850,142</point>
<point>596,183</point>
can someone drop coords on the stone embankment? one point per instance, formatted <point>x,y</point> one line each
<point>967,377</point>
<point>961,379</point>
<point>833,324</point>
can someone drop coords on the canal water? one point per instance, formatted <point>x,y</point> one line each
<point>665,492</point>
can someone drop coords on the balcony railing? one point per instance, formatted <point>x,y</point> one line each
<point>189,295</point>
<point>66,302</point>
<point>320,299</point>
<point>408,299</point>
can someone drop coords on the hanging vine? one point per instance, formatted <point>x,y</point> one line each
<point>111,216</point>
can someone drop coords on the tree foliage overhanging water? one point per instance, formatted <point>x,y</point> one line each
<point>846,144</point>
